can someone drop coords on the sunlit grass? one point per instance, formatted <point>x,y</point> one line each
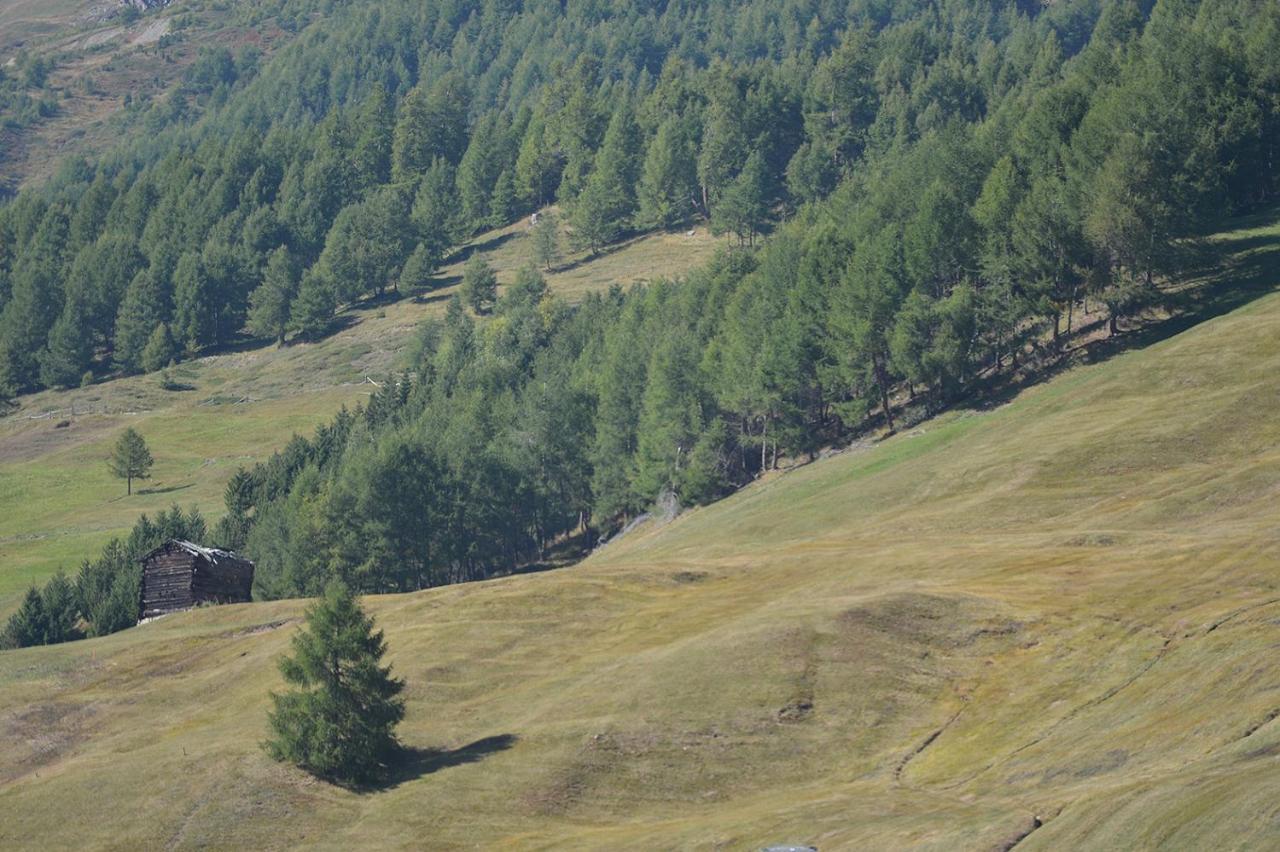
<point>1060,608</point>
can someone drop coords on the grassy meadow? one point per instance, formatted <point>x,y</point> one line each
<point>58,502</point>
<point>1047,619</point>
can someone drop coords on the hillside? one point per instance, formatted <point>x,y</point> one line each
<point>922,195</point>
<point>1057,608</point>
<point>105,66</point>
<point>58,502</point>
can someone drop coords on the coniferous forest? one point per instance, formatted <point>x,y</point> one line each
<point>915,195</point>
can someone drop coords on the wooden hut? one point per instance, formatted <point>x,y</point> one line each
<point>178,575</point>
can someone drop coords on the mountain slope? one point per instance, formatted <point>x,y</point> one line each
<point>59,503</point>
<point>1060,609</point>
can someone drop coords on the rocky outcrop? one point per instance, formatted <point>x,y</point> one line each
<point>144,5</point>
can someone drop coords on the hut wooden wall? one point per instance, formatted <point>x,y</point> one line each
<point>224,581</point>
<point>166,583</point>
<point>175,578</point>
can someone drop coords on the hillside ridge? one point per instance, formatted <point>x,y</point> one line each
<point>1043,623</point>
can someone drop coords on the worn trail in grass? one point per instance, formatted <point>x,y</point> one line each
<point>1050,622</point>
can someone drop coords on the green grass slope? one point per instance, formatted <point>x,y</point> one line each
<point>1050,621</point>
<point>58,502</point>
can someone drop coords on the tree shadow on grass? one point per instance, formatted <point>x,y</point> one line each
<point>413,763</point>
<point>429,297</point>
<point>463,254</point>
<point>165,489</point>
<point>602,252</point>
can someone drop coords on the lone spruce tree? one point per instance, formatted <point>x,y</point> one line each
<point>339,723</point>
<point>130,459</point>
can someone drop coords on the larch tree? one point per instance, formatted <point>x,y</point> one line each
<point>479,285</point>
<point>435,211</point>
<point>141,311</point>
<point>742,207</point>
<point>159,350</point>
<point>669,180</point>
<point>312,309</point>
<point>130,459</point>
<point>269,302</point>
<point>546,240</point>
<point>70,348</point>
<point>502,204</point>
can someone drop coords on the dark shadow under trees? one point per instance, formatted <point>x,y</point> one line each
<point>1226,275</point>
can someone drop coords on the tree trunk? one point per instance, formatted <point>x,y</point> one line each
<point>882,379</point>
<point>128,485</point>
<point>764,444</point>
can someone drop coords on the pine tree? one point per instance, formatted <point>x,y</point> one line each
<point>130,459</point>
<point>435,211</point>
<point>70,348</point>
<point>431,124</point>
<point>723,143</point>
<point>502,205</point>
<point>30,624</point>
<point>372,154</point>
<point>195,305</point>
<point>140,312</point>
<point>61,610</point>
<point>159,351</point>
<point>863,306</point>
<point>238,497</point>
<point>669,182</point>
<point>269,303</point>
<point>368,243</point>
<point>546,240</point>
<point>670,415</point>
<point>479,285</point>
<point>605,207</point>
<point>741,208</point>
<point>537,165</point>
<point>418,270</point>
<point>478,172</point>
<point>312,309</point>
<point>339,723</point>
<point>578,125</point>
<point>619,162</point>
<point>9,384</point>
<point>594,225</point>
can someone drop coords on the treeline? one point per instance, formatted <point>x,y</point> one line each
<point>260,197</point>
<point>939,261</point>
<point>950,244</point>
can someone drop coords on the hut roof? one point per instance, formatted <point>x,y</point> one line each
<point>213,554</point>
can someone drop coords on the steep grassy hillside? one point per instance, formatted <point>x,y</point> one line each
<point>1058,609</point>
<point>58,502</point>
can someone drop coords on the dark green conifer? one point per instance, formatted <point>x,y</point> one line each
<point>339,721</point>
